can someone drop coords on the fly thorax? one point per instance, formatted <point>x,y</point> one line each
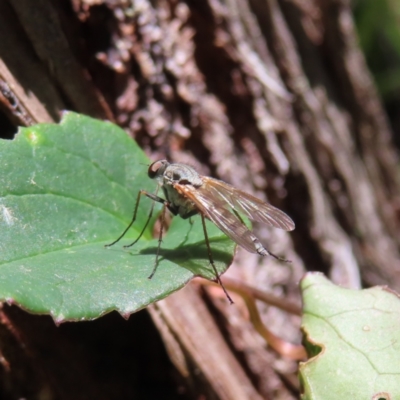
<point>182,174</point>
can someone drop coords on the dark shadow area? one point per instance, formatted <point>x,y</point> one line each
<point>7,128</point>
<point>193,257</point>
<point>109,358</point>
<point>16,52</point>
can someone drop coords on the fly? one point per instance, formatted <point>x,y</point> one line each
<point>188,193</point>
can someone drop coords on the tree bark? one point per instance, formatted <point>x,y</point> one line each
<point>272,96</point>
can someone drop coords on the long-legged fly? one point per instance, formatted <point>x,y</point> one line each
<point>188,193</point>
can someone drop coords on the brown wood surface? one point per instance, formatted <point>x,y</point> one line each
<point>272,96</point>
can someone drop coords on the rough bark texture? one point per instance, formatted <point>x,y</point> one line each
<point>271,96</point>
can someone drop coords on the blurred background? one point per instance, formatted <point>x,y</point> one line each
<point>378,27</point>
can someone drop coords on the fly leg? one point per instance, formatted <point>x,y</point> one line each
<point>165,206</point>
<point>155,198</point>
<point>210,257</point>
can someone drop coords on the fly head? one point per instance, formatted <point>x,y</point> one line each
<point>157,169</point>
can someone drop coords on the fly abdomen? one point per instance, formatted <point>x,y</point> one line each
<point>259,247</point>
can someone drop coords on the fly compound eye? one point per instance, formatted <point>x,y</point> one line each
<point>157,168</point>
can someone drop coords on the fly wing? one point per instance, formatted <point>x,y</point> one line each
<point>253,208</point>
<point>215,209</point>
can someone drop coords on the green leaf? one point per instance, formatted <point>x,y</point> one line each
<point>66,191</point>
<point>358,336</point>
